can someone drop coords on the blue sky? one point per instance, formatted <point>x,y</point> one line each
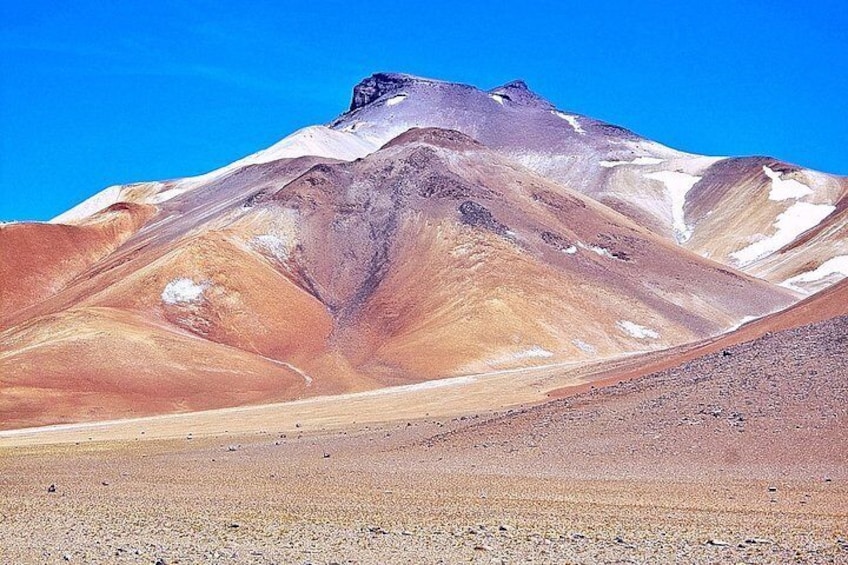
<point>93,94</point>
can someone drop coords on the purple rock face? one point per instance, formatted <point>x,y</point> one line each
<point>376,86</point>
<point>566,147</point>
<point>507,117</point>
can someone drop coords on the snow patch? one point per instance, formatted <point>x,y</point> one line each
<point>635,330</point>
<point>572,121</point>
<point>92,205</point>
<point>183,291</point>
<point>583,346</point>
<point>596,249</point>
<point>166,195</point>
<point>534,352</point>
<point>794,221</point>
<point>271,244</point>
<point>397,99</point>
<point>785,189</point>
<point>497,98</point>
<point>602,251</point>
<point>678,185</point>
<point>319,141</point>
<point>570,250</point>
<point>833,266</point>
<point>636,161</point>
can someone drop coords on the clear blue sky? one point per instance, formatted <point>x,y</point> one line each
<point>93,94</point>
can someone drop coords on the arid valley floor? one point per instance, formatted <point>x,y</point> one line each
<point>732,457</point>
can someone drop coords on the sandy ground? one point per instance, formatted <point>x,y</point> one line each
<point>735,457</point>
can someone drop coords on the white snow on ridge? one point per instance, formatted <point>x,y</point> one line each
<point>572,121</point>
<point>794,221</point>
<point>167,195</point>
<point>678,185</point>
<point>89,206</point>
<point>497,98</point>
<point>319,141</point>
<point>183,291</point>
<point>636,161</point>
<point>834,266</point>
<point>635,330</point>
<point>397,99</point>
<point>785,189</point>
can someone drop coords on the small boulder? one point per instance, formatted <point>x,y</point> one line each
<point>717,542</point>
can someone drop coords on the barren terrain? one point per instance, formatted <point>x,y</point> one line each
<point>737,456</point>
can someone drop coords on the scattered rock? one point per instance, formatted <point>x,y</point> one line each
<point>717,542</point>
<point>758,541</point>
<point>482,548</point>
<point>51,488</point>
<point>232,448</point>
<point>474,214</point>
<point>772,489</point>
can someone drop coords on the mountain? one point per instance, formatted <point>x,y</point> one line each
<point>769,408</point>
<point>433,230</point>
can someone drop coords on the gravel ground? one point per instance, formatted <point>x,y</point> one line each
<point>737,457</point>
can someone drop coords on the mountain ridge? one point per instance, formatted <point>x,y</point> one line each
<point>436,230</point>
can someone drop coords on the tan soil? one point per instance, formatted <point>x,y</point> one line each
<point>746,449</point>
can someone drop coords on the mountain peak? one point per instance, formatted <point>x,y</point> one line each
<point>517,91</point>
<point>380,84</point>
<point>517,84</point>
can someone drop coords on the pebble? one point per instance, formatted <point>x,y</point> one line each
<point>482,548</point>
